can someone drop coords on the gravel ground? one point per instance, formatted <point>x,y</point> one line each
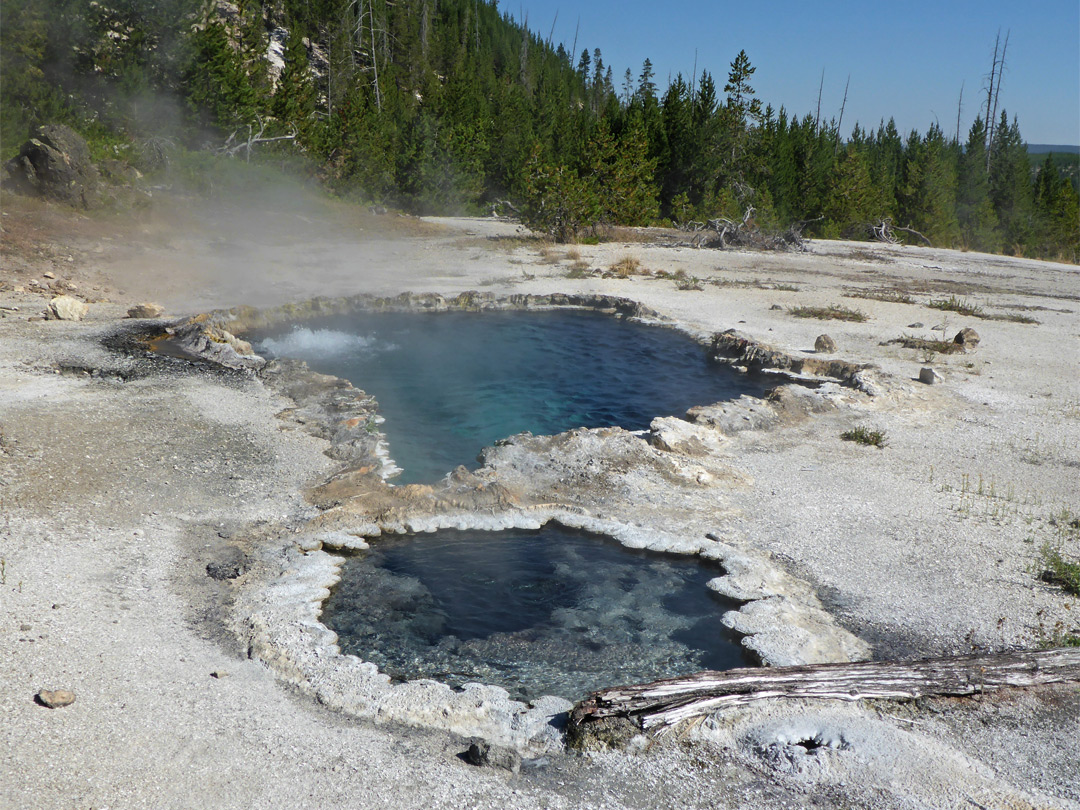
<point>121,478</point>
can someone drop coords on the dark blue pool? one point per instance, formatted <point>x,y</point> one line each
<point>451,383</point>
<point>554,611</point>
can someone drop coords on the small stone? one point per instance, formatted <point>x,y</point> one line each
<point>484,754</point>
<point>929,376</point>
<point>219,674</point>
<point>967,337</point>
<point>824,345</point>
<point>776,306</point>
<point>916,325</point>
<point>146,310</point>
<point>66,308</point>
<point>55,698</point>
<point>49,275</point>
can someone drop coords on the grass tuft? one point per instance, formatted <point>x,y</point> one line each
<point>960,305</point>
<point>888,296</point>
<point>864,435</point>
<point>1060,571</point>
<point>832,313</point>
<point>627,266</point>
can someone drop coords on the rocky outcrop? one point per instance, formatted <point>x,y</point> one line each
<point>66,308</point>
<point>56,164</point>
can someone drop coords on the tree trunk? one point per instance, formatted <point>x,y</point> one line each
<point>662,704</point>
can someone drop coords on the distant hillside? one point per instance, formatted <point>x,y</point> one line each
<point>1056,148</point>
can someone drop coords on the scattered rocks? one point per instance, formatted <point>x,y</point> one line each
<point>967,337</point>
<point>56,164</point>
<point>483,754</point>
<point>929,376</point>
<point>66,308</point>
<point>146,310</point>
<point>54,698</point>
<point>824,345</point>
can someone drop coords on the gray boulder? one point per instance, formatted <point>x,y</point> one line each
<point>967,337</point>
<point>56,164</point>
<point>824,344</point>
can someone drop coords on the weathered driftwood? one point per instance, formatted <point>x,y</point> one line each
<point>724,233</point>
<point>883,231</point>
<point>662,704</point>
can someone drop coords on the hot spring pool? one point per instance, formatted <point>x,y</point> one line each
<point>450,383</point>
<point>555,611</point>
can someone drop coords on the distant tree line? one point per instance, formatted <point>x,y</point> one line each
<point>440,106</point>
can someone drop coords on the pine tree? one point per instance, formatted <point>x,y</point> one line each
<point>853,200</point>
<point>975,211</point>
<point>928,191</point>
<point>1010,184</point>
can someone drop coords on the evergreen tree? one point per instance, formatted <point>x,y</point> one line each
<point>853,200</point>
<point>928,191</point>
<point>216,81</point>
<point>1010,184</point>
<point>975,211</point>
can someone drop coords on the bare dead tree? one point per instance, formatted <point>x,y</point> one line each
<point>233,146</point>
<point>723,232</point>
<point>551,33</point>
<point>523,66</point>
<point>836,141</point>
<point>884,231</point>
<point>997,67</point>
<point>573,48</point>
<point>821,86</point>
<point>959,108</point>
<point>425,28</point>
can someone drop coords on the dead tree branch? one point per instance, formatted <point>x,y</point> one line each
<point>724,233</point>
<point>884,231</point>
<point>662,704</point>
<point>233,146</point>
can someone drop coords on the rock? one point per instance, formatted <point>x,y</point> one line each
<point>916,325</point>
<point>56,164</point>
<point>66,308</point>
<point>146,310</point>
<point>824,344</point>
<point>484,754</point>
<point>929,376</point>
<point>674,435</point>
<point>55,698</point>
<point>967,337</point>
<point>49,275</point>
<point>776,306</point>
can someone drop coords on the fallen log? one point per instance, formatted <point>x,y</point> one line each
<point>659,705</point>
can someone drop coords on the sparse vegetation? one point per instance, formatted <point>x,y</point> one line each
<point>831,313</point>
<point>627,266</point>
<point>864,435</point>
<point>889,296</point>
<point>959,305</point>
<point>1014,317</point>
<point>1057,570</point>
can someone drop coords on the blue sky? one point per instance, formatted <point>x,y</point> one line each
<point>905,61</point>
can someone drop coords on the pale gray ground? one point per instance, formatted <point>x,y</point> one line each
<point>119,485</point>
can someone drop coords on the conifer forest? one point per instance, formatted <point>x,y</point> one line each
<point>450,106</point>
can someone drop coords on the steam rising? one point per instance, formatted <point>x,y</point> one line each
<point>322,344</point>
